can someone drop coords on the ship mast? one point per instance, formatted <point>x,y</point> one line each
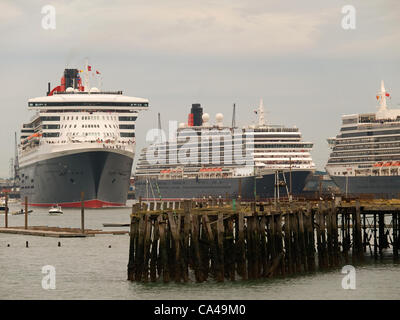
<point>382,98</point>
<point>234,116</point>
<point>261,120</point>
<point>86,74</point>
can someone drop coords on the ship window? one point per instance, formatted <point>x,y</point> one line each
<point>127,126</point>
<point>127,134</point>
<point>348,121</point>
<point>127,118</point>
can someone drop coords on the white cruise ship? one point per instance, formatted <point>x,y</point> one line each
<point>222,161</point>
<point>365,156</point>
<point>80,139</point>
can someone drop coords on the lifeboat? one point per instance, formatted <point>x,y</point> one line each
<point>37,134</point>
<point>387,164</point>
<point>378,164</point>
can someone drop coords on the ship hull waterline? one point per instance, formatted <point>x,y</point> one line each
<point>103,176</point>
<point>247,187</point>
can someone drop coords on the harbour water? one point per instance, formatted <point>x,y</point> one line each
<point>95,268</point>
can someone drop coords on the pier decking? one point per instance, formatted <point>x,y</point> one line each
<point>233,240</point>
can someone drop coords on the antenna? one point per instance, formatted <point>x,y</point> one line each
<point>382,97</point>
<point>234,116</point>
<point>159,126</point>
<point>261,120</point>
<point>86,74</point>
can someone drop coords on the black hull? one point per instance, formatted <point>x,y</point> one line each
<point>247,187</point>
<point>383,186</point>
<point>103,177</point>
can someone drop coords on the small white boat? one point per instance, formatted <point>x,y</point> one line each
<point>55,210</point>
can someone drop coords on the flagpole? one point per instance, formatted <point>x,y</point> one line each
<point>87,84</point>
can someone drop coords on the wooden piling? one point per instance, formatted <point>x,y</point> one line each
<point>251,241</point>
<point>6,210</point>
<point>83,212</point>
<point>240,248</point>
<point>173,224</point>
<point>26,212</point>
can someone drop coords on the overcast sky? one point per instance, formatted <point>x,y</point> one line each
<point>293,54</point>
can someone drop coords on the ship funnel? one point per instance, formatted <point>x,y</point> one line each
<point>71,78</point>
<point>197,112</point>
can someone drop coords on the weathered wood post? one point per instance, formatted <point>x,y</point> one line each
<point>26,212</point>
<point>335,234</point>
<point>329,218</point>
<point>6,210</point>
<point>138,264</point>
<point>395,227</point>
<point>345,240</point>
<point>357,232</point>
<point>133,241</point>
<point>310,241</point>
<point>272,241</point>
<point>279,241</point>
<point>381,225</point>
<point>82,212</point>
<point>302,241</point>
<point>186,256</point>
<point>147,242</point>
<point>163,250</point>
<point>375,239</point>
<point>176,241</point>
<point>220,250</point>
<point>319,242</point>
<point>296,239</point>
<point>154,249</point>
<point>198,271</point>
<point>240,249</point>
<point>288,244</point>
<point>263,262</point>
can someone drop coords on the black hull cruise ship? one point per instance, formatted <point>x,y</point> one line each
<point>203,162</point>
<point>81,139</point>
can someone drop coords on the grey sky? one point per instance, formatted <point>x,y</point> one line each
<point>294,55</point>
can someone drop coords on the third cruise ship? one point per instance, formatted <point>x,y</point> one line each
<point>365,156</point>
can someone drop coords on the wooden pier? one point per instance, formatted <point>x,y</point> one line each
<point>211,239</point>
<point>58,232</point>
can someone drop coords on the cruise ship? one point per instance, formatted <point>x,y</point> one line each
<point>365,156</point>
<point>81,139</point>
<point>212,160</point>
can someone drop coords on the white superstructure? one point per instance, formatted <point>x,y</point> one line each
<point>368,144</point>
<point>71,122</point>
<point>278,147</point>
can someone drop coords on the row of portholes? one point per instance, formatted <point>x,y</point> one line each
<point>89,126</point>
<point>106,134</point>
<point>90,118</point>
